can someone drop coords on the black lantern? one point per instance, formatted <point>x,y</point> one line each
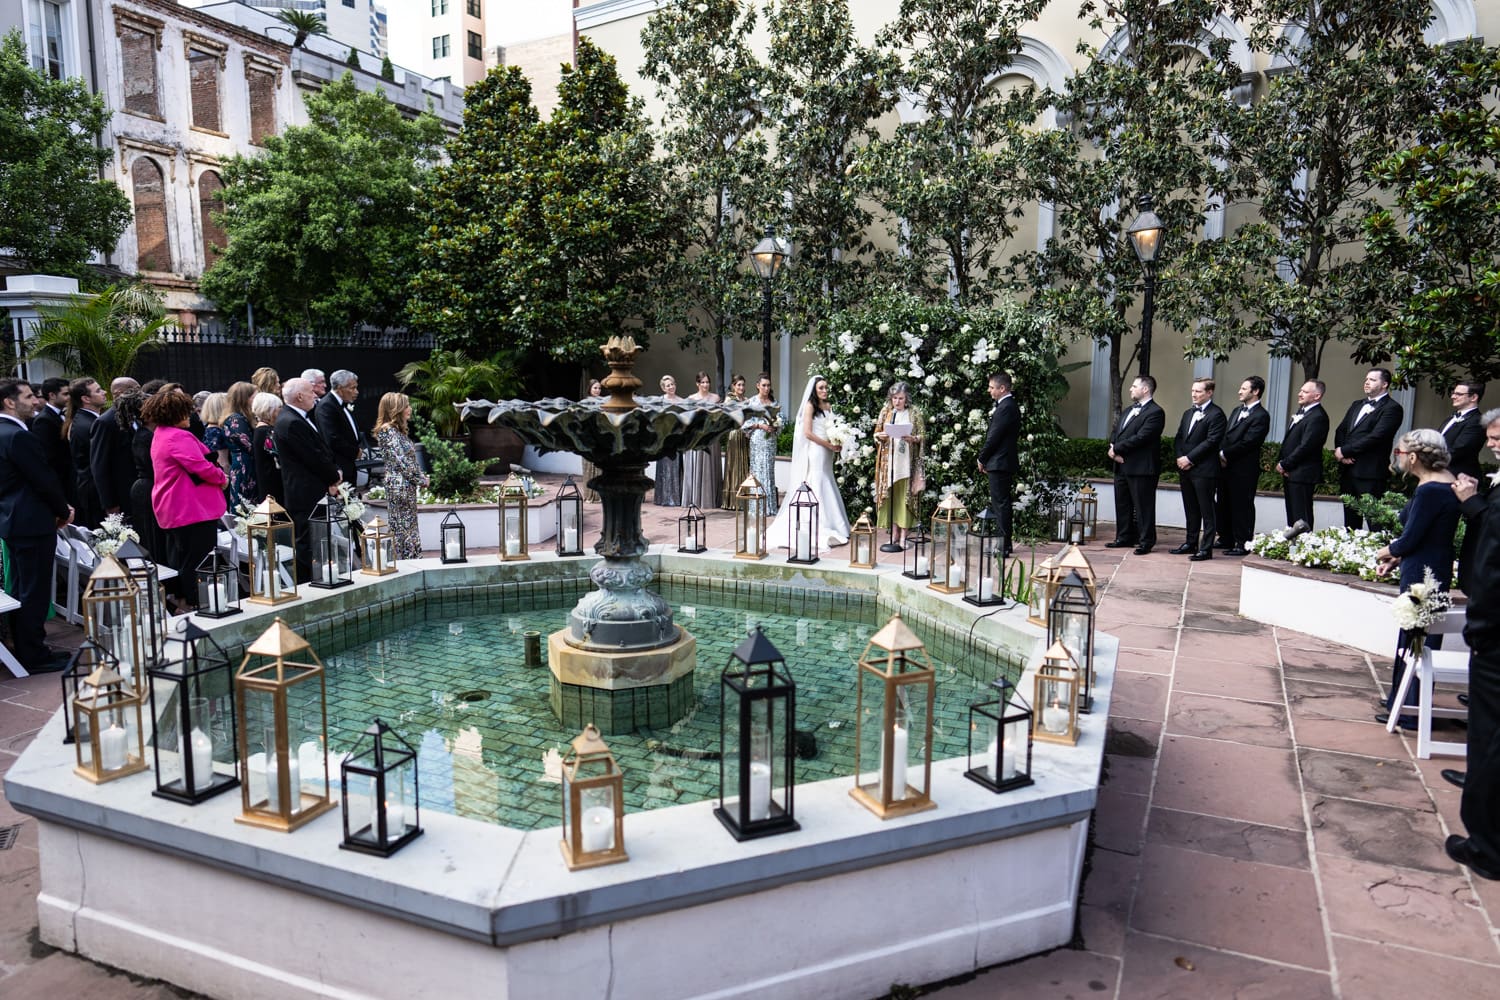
<point>1000,740</point>
<point>150,600</point>
<point>378,780</point>
<point>1058,514</point>
<point>756,744</point>
<point>328,536</point>
<point>804,540</point>
<point>984,561</point>
<point>569,504</point>
<point>1088,510</point>
<point>1070,621</point>
<point>195,725</point>
<point>453,541</point>
<point>218,586</point>
<point>88,657</point>
<point>691,528</point>
<point>915,564</point>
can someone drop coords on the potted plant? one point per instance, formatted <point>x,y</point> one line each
<point>438,384</point>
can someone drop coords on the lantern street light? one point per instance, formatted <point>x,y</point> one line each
<point>768,257</point>
<point>1145,235</point>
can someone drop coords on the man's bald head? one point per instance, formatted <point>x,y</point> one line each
<point>123,384</point>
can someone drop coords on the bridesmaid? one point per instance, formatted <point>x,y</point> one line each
<point>669,467</point>
<point>701,483</point>
<point>736,452</point>
<point>590,470</point>
<point>762,434</point>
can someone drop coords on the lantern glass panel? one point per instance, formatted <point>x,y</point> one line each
<point>196,742</point>
<point>218,586</point>
<point>916,563</point>
<point>454,541</point>
<point>691,528</point>
<point>272,544</point>
<point>569,519</point>
<point>380,793</point>
<point>329,543</point>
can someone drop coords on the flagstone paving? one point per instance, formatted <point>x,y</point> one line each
<point>1257,834</point>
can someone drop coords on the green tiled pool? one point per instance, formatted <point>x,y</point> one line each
<point>448,674</point>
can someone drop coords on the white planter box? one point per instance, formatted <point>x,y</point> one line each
<point>1270,508</point>
<point>481,523</point>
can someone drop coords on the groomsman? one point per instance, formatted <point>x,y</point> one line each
<point>998,459</point>
<point>1239,466</point>
<point>1462,431</point>
<point>1135,449</point>
<point>1363,441</point>
<point>1199,436</point>
<point>1300,462</point>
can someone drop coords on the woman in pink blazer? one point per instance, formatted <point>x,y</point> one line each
<point>188,497</point>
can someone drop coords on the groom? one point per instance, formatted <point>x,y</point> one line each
<point>998,459</point>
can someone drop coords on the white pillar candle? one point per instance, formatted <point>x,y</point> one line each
<point>512,546</point>
<point>955,574</point>
<point>1055,718</point>
<point>598,828</point>
<point>898,763</point>
<point>201,746</point>
<point>986,588</point>
<point>760,790</point>
<point>1012,747</point>
<point>921,565</point>
<point>752,541</point>
<point>692,540</point>
<point>1077,536</point>
<point>112,748</point>
<point>804,541</point>
<point>570,539</point>
<point>1062,527</point>
<point>395,818</point>
<point>294,783</point>
<point>452,549</point>
<point>218,597</point>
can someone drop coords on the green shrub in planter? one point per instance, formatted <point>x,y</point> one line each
<point>453,476</point>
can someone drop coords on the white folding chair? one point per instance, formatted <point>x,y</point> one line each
<point>1433,667</point>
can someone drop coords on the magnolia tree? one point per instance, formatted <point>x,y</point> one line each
<point>945,354</point>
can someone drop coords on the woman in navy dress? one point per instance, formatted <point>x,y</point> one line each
<point>1428,521</point>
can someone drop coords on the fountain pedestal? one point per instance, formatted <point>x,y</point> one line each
<point>621,691</point>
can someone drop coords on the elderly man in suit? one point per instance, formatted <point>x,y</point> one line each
<point>334,415</point>
<point>1300,461</point>
<point>998,459</point>
<point>1135,449</point>
<point>1239,466</point>
<point>32,508</point>
<point>1363,441</point>
<point>110,459</point>
<point>1463,432</point>
<point>308,470</point>
<point>1199,436</point>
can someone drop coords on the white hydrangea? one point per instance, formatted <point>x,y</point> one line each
<point>884,328</point>
<point>848,342</point>
<point>869,368</point>
<point>930,381</point>
<point>833,366</point>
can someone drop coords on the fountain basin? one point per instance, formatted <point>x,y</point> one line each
<point>476,909</point>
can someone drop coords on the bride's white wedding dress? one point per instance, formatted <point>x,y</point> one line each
<point>812,464</point>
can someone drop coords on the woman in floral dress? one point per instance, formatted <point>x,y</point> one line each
<point>239,436</point>
<point>402,474</point>
<point>762,434</point>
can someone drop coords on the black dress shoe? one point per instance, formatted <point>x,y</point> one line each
<point>1460,850</point>
<point>1384,718</point>
<point>1221,544</point>
<point>1119,543</point>
<point>1236,550</point>
<point>1453,777</point>
<point>1463,699</point>
<point>1200,556</point>
<point>1141,550</point>
<point>1182,550</point>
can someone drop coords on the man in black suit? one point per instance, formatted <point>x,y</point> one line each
<point>1199,436</point>
<point>334,415</point>
<point>998,459</point>
<point>32,508</point>
<point>110,459</point>
<point>1239,466</point>
<point>1363,441</point>
<point>1462,431</point>
<point>1300,461</point>
<point>1480,807</point>
<point>86,399</point>
<point>1136,451</point>
<point>47,425</point>
<point>308,471</point>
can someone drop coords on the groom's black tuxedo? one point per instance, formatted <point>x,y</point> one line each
<point>1199,436</point>
<point>1137,440</point>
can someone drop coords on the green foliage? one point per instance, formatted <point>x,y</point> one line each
<point>303,24</point>
<point>951,180</point>
<point>353,60</point>
<point>103,336</point>
<point>945,353</point>
<point>447,378</point>
<point>1382,513</point>
<point>1435,248</point>
<point>387,70</point>
<point>322,227</point>
<point>454,476</point>
<point>55,211</point>
<point>544,236</point>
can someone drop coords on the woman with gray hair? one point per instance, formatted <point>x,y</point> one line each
<point>1428,521</point>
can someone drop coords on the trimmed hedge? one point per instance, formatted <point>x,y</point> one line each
<point>1089,457</point>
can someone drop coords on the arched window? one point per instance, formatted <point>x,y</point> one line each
<point>153,251</point>
<point>209,186</point>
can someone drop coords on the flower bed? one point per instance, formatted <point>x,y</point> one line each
<point>1340,550</point>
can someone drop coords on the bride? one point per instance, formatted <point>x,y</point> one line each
<point>812,463</point>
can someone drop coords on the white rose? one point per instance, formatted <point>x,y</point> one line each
<point>930,381</point>
<point>869,368</point>
<point>884,328</point>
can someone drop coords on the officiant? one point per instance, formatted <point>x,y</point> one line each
<point>899,434</point>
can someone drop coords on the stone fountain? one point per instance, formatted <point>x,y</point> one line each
<point>622,662</point>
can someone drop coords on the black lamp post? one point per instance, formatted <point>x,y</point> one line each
<point>767,259</point>
<point>1145,235</point>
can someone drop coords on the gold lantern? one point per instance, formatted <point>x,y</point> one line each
<point>862,542</point>
<point>379,545</point>
<point>1041,579</point>
<point>112,617</point>
<point>513,507</point>
<point>110,742</point>
<point>593,804</point>
<point>893,723</point>
<point>750,520</point>
<point>950,531</point>
<point>1072,560</point>
<point>273,545</point>
<point>1058,680</point>
<point>281,703</point>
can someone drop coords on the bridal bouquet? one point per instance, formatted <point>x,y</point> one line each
<point>113,533</point>
<point>843,434</point>
<point>1421,605</point>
